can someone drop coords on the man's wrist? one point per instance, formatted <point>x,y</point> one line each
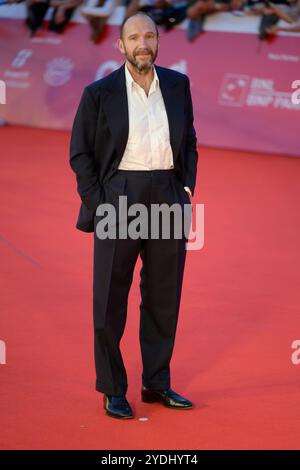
<point>187,189</point>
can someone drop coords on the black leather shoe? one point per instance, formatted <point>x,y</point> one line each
<point>117,406</point>
<point>167,398</point>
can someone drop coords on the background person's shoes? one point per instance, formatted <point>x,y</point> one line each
<point>117,406</point>
<point>167,397</point>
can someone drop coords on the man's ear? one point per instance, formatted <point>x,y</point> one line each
<point>120,45</point>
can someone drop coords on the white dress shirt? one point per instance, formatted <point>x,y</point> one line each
<point>148,145</point>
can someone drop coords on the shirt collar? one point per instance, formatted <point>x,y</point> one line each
<point>131,82</point>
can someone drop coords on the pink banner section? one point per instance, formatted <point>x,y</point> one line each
<point>242,90</point>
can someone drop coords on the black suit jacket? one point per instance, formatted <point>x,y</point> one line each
<point>100,132</point>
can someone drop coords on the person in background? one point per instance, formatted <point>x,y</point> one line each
<point>269,13</point>
<point>97,13</point>
<point>165,13</point>
<point>62,13</point>
<point>198,10</point>
<point>288,13</point>
<point>36,12</point>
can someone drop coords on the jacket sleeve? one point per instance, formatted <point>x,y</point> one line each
<point>191,153</point>
<point>82,158</point>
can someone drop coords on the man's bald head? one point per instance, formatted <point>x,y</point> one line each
<point>130,20</point>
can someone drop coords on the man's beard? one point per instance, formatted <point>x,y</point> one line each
<point>142,66</point>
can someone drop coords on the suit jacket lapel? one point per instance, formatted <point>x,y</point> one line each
<point>174,103</point>
<point>115,107</point>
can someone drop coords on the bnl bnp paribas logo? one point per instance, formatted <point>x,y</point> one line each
<point>239,90</point>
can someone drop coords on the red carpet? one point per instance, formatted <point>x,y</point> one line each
<point>238,318</point>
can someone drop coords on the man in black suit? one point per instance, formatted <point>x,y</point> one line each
<point>133,137</point>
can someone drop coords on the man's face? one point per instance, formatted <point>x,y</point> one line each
<point>139,43</point>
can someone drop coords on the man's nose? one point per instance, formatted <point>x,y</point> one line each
<point>143,43</point>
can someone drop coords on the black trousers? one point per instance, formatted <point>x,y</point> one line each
<point>161,278</point>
